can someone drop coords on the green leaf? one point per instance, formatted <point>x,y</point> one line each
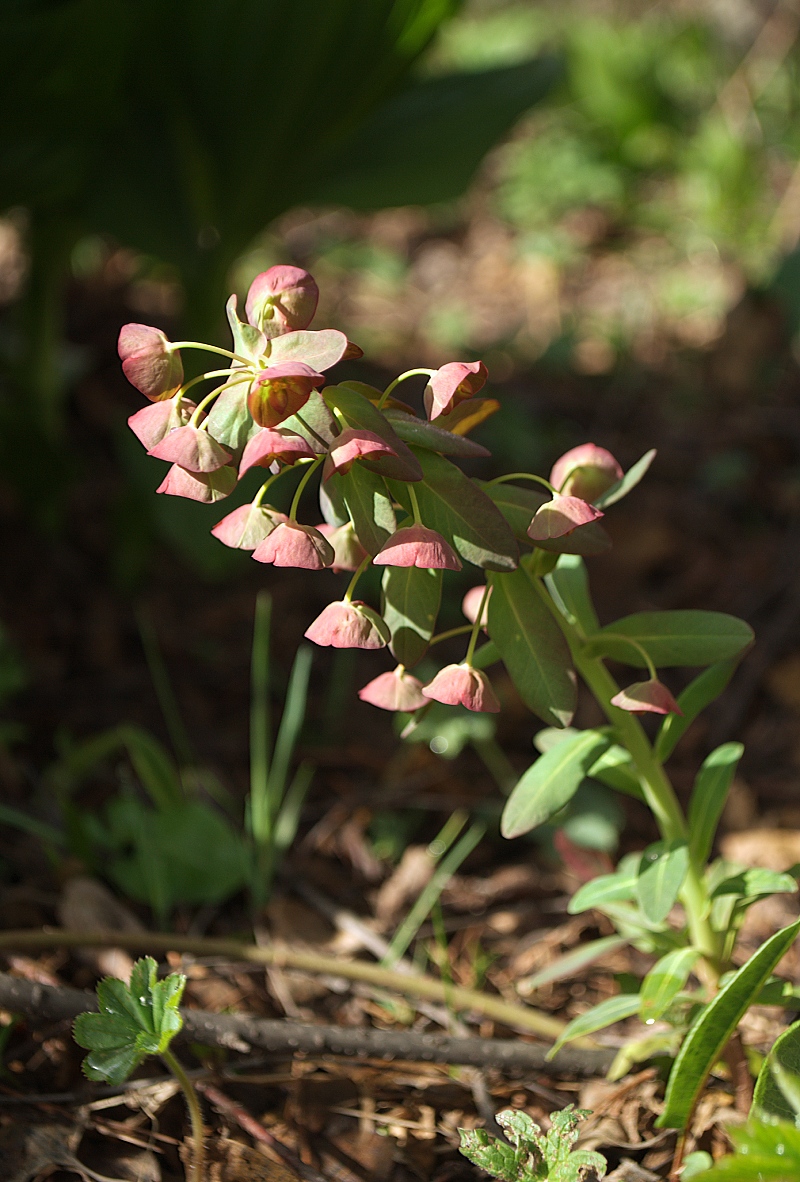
<point>229,420</point>
<point>763,1153</point>
<point>569,586</point>
<point>664,982</point>
<point>532,647</point>
<point>661,873</point>
<point>411,599</point>
<point>673,638</point>
<point>700,692</point>
<point>614,768</point>
<point>711,787</point>
<point>132,1021</point>
<point>586,540</point>
<point>550,782</point>
<point>613,1009</point>
<point>572,963</point>
<point>425,434</point>
<point>368,502</point>
<point>517,505</point>
<point>628,481</point>
<point>772,1098</point>
<point>755,883</point>
<point>606,888</point>
<point>358,411</point>
<point>314,422</point>
<point>709,1035</point>
<point>454,505</point>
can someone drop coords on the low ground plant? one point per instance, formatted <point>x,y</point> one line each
<point>392,495</point>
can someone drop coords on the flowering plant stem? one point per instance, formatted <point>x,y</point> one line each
<point>195,1115</point>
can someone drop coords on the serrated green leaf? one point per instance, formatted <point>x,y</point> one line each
<point>672,638</point>
<point>613,1009</point>
<point>368,502</point>
<point>709,1035</point>
<point>569,586</point>
<point>628,481</point>
<point>661,874</point>
<point>550,782</point>
<point>709,794</point>
<point>411,598</point>
<point>532,646</point>
<point>664,982</point>
<point>700,692</point>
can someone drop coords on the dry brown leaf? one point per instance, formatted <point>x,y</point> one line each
<point>231,1161</point>
<point>413,872</point>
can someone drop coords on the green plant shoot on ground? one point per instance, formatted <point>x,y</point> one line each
<point>533,1156</point>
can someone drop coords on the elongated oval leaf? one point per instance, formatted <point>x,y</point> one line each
<point>708,1036</point>
<point>550,782</point>
<point>661,874</point>
<point>709,794</point>
<point>664,982</point>
<point>628,481</point>
<point>425,434</point>
<point>587,540</point>
<point>606,888</point>
<point>314,422</point>
<point>532,646</point>
<point>358,411</point>
<point>574,962</point>
<point>454,505</point>
<point>615,769</point>
<point>369,505</point>
<point>319,348</point>
<point>411,598</point>
<point>517,505</point>
<point>613,1009</point>
<point>770,1099</point>
<point>700,692</point>
<point>569,586</point>
<point>673,638</point>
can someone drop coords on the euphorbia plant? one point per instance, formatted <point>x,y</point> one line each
<point>392,495</point>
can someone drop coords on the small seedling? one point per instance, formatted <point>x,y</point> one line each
<point>132,1022</point>
<point>532,1155</point>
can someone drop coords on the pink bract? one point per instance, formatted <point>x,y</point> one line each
<point>269,445</point>
<point>248,526</point>
<point>152,423</point>
<point>451,384</point>
<point>348,551</point>
<point>461,685</point>
<point>586,472</point>
<point>397,690</point>
<point>281,299</point>
<point>471,604</point>
<point>292,544</point>
<point>193,449</point>
<point>199,486</point>
<point>415,545</point>
<point>560,516</point>
<point>353,444</point>
<point>148,361</point>
<point>646,697</point>
<point>349,625</point>
<point>281,391</point>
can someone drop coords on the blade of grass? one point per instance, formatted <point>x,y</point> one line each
<point>40,829</point>
<point>260,721</point>
<point>294,712</point>
<point>178,734</point>
<point>289,814</point>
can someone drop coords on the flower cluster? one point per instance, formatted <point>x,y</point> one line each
<point>389,492</point>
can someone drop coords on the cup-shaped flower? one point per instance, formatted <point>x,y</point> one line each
<point>152,423</point>
<point>586,472</point>
<point>246,527</point>
<point>397,690</point>
<point>192,448</point>
<point>199,486</point>
<point>353,444</point>
<point>451,384</point>
<point>292,544</point>
<point>415,545</point>
<point>461,685</point>
<point>344,624</point>
<point>269,445</point>
<point>646,697</point>
<point>149,362</point>
<point>281,391</point>
<point>348,551</point>
<point>471,604</point>
<point>281,299</point>
<point>560,516</point>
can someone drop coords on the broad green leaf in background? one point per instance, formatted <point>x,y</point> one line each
<point>532,646</point>
<point>661,873</point>
<point>573,963</point>
<point>709,1035</point>
<point>358,411</point>
<point>369,505</point>
<point>770,1099</point>
<point>411,598</point>
<point>425,434</point>
<point>711,787</point>
<point>551,782</point>
<point>673,638</point>
<point>628,481</point>
<point>756,882</point>
<point>700,692</point>
<point>569,586</point>
<point>613,1009</point>
<point>454,505</point>
<point>664,982</point>
<point>763,1152</point>
<point>615,769</point>
<point>606,888</point>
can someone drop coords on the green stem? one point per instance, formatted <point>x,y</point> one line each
<point>410,373</point>
<point>523,476</point>
<point>203,403</point>
<point>312,467</point>
<point>476,627</point>
<point>461,630</point>
<point>196,1116</point>
<point>211,349</point>
<point>311,430</point>
<point>262,492</point>
<point>643,653</point>
<point>414,505</point>
<point>351,586</point>
<point>203,377</point>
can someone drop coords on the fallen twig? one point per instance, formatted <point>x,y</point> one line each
<point>240,1032</point>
